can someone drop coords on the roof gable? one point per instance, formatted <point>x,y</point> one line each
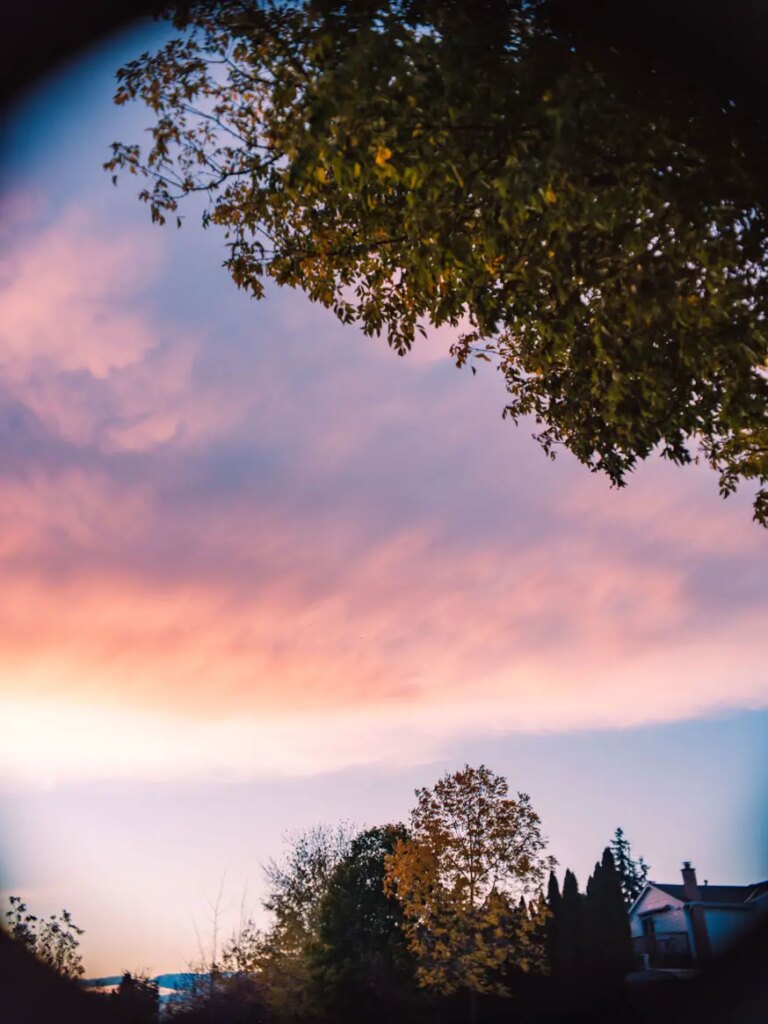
<point>654,897</point>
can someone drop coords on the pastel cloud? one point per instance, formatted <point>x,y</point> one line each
<point>254,542</point>
<point>57,301</point>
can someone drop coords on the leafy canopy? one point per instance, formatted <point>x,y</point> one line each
<point>360,961</point>
<point>297,884</point>
<point>278,959</point>
<point>416,162</point>
<point>474,851</point>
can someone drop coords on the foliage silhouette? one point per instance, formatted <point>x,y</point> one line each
<point>608,943</point>
<point>570,960</point>
<point>632,873</point>
<point>360,961</point>
<point>137,999</point>
<point>271,967</point>
<point>601,239</point>
<point>54,940</point>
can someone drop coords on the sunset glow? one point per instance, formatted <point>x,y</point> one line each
<point>241,542</point>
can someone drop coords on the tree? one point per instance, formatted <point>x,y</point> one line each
<point>554,902</point>
<point>55,940</point>
<point>259,972</point>
<point>473,852</point>
<point>360,962</point>
<point>570,950</point>
<point>278,958</point>
<point>632,873</point>
<point>298,884</point>
<point>601,238</point>
<point>609,945</point>
<point>137,999</point>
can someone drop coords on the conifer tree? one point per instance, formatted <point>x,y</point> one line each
<point>632,873</point>
<point>554,906</point>
<point>608,946</point>
<point>569,954</point>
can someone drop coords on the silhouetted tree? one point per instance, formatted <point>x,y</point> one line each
<point>298,883</point>
<point>55,939</point>
<point>632,873</point>
<point>361,963</point>
<point>32,991</point>
<point>137,999</point>
<point>570,958</point>
<point>608,942</point>
<point>263,978</point>
<point>271,966</point>
<point>554,906</point>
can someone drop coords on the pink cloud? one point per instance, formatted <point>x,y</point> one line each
<point>57,295</point>
<point>291,528</point>
<point>80,349</point>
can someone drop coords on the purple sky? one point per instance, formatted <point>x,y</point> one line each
<point>259,572</point>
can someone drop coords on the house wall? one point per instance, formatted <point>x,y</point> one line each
<point>725,927</point>
<point>672,927</point>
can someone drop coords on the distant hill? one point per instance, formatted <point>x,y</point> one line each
<point>171,988</point>
<point>113,979</point>
<point>179,980</point>
<point>185,979</point>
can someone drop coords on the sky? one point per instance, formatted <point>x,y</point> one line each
<point>257,572</point>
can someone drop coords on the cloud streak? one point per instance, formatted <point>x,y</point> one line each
<point>253,541</point>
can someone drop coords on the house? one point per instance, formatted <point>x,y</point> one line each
<point>682,925</point>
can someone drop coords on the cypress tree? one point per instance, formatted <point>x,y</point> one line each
<point>569,956</point>
<point>554,906</point>
<point>594,927</point>
<point>608,945</point>
<point>619,951</point>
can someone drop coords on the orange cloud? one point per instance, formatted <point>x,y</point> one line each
<point>259,555</point>
<point>399,653</point>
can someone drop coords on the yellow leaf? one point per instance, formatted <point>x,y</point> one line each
<point>550,195</point>
<point>321,174</point>
<point>383,153</point>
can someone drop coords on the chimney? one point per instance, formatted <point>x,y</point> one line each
<point>690,885</point>
<point>692,894</point>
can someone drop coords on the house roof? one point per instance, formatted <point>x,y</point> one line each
<point>759,889</point>
<point>716,893</point>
